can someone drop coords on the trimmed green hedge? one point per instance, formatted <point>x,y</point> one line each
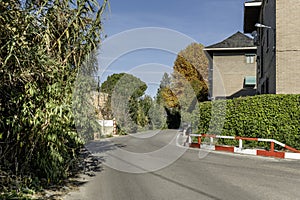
<point>264,116</point>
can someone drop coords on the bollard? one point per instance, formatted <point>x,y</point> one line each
<point>240,144</point>
<point>115,126</point>
<point>272,147</point>
<point>211,141</point>
<point>199,140</point>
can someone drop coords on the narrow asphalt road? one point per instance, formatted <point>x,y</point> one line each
<point>130,172</point>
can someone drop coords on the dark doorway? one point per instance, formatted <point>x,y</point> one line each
<point>173,118</point>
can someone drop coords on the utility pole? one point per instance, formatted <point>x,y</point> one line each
<point>98,89</point>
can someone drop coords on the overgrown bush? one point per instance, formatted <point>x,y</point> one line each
<point>42,46</point>
<point>264,116</point>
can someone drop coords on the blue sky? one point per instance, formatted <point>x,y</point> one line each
<point>203,21</point>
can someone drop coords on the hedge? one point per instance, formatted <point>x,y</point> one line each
<point>264,116</point>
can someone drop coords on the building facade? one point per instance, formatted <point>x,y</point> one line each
<point>232,67</point>
<point>275,24</point>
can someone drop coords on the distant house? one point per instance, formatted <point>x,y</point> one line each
<point>232,67</point>
<point>275,24</point>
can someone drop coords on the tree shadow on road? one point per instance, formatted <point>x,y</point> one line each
<point>83,170</point>
<point>102,146</point>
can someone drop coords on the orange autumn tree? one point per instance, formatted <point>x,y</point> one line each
<point>187,86</point>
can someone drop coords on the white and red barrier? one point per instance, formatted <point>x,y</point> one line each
<point>292,154</point>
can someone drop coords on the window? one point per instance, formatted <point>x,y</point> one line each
<point>250,58</point>
<point>249,81</point>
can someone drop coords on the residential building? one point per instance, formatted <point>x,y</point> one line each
<point>232,67</point>
<point>275,24</point>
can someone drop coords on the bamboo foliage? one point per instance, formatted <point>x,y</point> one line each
<point>42,46</point>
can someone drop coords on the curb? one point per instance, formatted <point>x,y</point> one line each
<point>240,150</point>
<point>255,152</point>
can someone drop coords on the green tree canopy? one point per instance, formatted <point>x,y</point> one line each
<point>124,92</point>
<point>123,86</point>
<point>110,83</point>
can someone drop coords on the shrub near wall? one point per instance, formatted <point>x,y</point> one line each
<point>264,116</point>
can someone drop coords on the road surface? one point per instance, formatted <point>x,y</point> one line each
<point>212,176</point>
